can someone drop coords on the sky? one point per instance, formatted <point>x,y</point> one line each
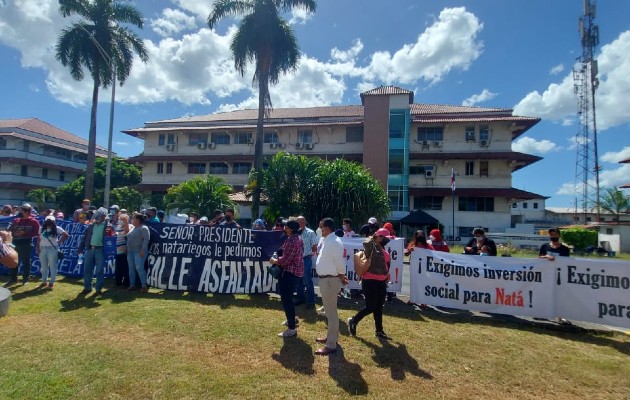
<point>488,53</point>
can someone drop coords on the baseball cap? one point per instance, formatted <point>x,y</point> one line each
<point>49,218</point>
<point>372,221</point>
<point>26,207</point>
<point>114,207</point>
<point>383,232</point>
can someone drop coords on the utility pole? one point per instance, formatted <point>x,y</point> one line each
<point>586,83</point>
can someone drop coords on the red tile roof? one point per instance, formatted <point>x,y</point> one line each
<point>57,136</point>
<point>387,91</point>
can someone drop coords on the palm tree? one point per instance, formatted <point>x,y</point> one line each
<point>266,39</point>
<point>98,43</point>
<point>615,202</point>
<point>41,197</point>
<point>203,194</point>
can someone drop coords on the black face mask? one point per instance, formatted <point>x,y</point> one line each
<point>554,239</point>
<point>384,241</point>
<point>228,218</point>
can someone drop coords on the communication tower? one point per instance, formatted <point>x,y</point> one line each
<point>585,85</point>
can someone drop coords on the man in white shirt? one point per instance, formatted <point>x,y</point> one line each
<point>310,240</point>
<point>331,269</point>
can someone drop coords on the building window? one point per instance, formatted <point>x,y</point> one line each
<point>354,134</point>
<point>270,137</point>
<point>609,231</point>
<point>484,204</point>
<point>430,133</point>
<point>169,168</point>
<point>218,168</point>
<point>397,196</point>
<point>196,138</point>
<point>428,202</point>
<point>62,176</point>
<point>3,143</point>
<point>484,133</point>
<point>396,161</point>
<point>243,138</point>
<point>161,139</point>
<point>524,205</point>
<point>170,138</point>
<point>196,168</point>
<point>305,136</point>
<point>24,170</point>
<point>536,205</point>
<point>240,168</point>
<point>470,168</point>
<point>470,133</point>
<point>397,122</point>
<point>220,138</point>
<point>45,173</point>
<point>160,168</point>
<point>27,145</point>
<point>514,205</point>
<point>421,169</point>
<point>483,168</point>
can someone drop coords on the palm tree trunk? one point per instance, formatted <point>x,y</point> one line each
<point>91,156</point>
<point>258,150</point>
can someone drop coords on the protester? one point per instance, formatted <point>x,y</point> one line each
<point>229,221</point>
<point>374,283</point>
<point>418,241</point>
<point>89,216</point>
<point>81,214</point>
<point>279,226</point>
<point>368,229</point>
<point>479,240</point>
<point>24,229</point>
<point>554,248</point>
<point>204,221</point>
<point>217,218</point>
<point>15,210</point>
<point>48,243</point>
<point>114,212</point>
<point>292,263</point>
<point>137,251</point>
<point>310,240</point>
<point>59,215</point>
<point>346,225</point>
<point>259,225</point>
<point>152,215</point>
<point>390,229</point>
<point>6,211</point>
<point>121,275</point>
<point>193,218</point>
<point>437,241</point>
<point>92,247</point>
<point>331,269</point>
<point>160,215</point>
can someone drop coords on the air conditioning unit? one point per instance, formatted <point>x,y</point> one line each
<point>273,145</point>
<point>170,147</point>
<point>438,143</point>
<point>429,174</point>
<point>202,146</point>
<point>250,141</point>
<point>298,145</point>
<point>425,143</point>
<point>483,143</point>
<point>212,145</point>
<point>308,146</point>
<point>281,145</point>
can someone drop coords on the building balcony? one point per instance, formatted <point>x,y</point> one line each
<point>18,181</point>
<point>40,160</point>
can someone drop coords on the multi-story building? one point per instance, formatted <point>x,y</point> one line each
<point>35,154</point>
<point>411,149</point>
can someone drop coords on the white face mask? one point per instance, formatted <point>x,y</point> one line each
<point>49,230</point>
<point>431,237</point>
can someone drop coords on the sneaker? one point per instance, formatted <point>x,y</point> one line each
<point>383,335</point>
<point>24,282</point>
<point>321,310</point>
<point>286,323</point>
<point>352,327</point>
<point>50,286</point>
<point>144,289</point>
<point>86,291</point>
<point>42,285</point>
<point>8,283</point>
<point>288,333</point>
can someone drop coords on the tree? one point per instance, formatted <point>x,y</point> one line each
<point>579,238</point>
<point>41,197</point>
<point>126,197</point>
<point>267,40</point>
<point>615,202</point>
<point>203,194</point>
<point>100,44</point>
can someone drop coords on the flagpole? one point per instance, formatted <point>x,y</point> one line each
<point>453,201</point>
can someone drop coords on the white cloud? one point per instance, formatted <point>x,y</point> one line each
<point>615,157</point>
<point>527,144</point>
<point>172,21</point>
<point>569,189</point>
<point>607,179</point>
<point>300,16</point>
<point>558,102</point>
<point>556,69</point>
<point>485,95</point>
<point>200,8</point>
<point>450,43</point>
<point>347,55</point>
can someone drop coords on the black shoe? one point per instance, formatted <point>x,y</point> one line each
<point>352,326</point>
<point>8,283</point>
<point>86,291</point>
<point>383,335</point>
<point>298,302</point>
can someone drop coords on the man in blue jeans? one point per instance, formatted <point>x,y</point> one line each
<point>310,240</point>
<point>93,244</point>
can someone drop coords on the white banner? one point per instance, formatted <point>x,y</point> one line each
<point>596,291</point>
<point>353,245</point>
<point>503,285</point>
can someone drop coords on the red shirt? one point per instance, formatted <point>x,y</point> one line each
<point>292,259</point>
<point>29,226</point>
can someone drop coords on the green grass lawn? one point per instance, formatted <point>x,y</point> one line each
<point>173,345</point>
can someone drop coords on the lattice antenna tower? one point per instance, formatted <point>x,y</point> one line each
<point>585,85</point>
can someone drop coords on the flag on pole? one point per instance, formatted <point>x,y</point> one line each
<point>453,179</point>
